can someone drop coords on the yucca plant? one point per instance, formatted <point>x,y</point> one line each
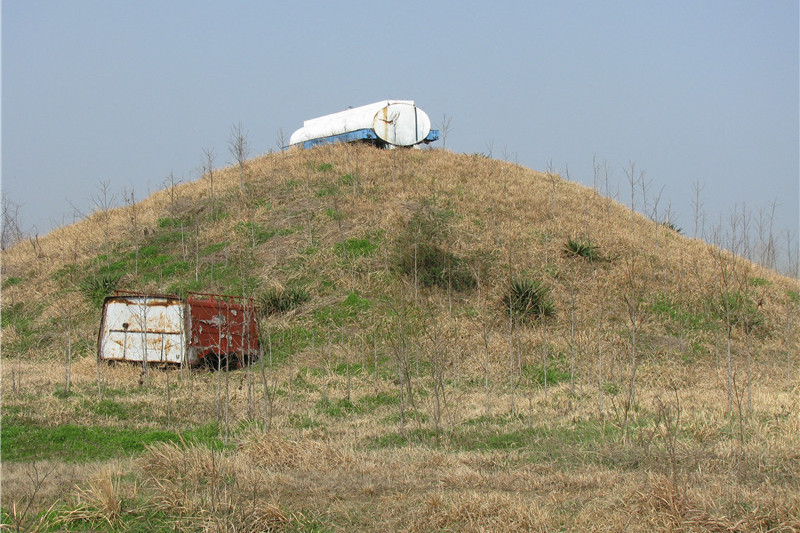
<point>96,288</point>
<point>528,299</point>
<point>581,248</point>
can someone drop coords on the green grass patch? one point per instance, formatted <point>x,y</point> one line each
<point>140,518</point>
<point>213,248</point>
<point>679,319</point>
<point>111,409</point>
<point>355,247</point>
<point>409,415</point>
<point>328,189</point>
<point>794,296</point>
<point>334,214</point>
<point>224,279</point>
<point>537,373</point>
<point>288,341</point>
<point>348,369</point>
<point>553,444</point>
<point>12,281</point>
<point>253,231</point>
<point>380,399</point>
<point>283,232</point>
<point>399,440</point>
<point>22,318</point>
<point>73,443</point>
<point>299,381</point>
<point>169,222</point>
<point>337,408</point>
<point>562,445</point>
<point>304,422</point>
<point>324,167</point>
<point>168,238</point>
<point>343,312</point>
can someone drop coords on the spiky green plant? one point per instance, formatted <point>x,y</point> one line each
<point>96,288</point>
<point>581,248</point>
<point>528,299</point>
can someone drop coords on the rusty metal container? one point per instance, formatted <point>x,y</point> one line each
<point>208,329</point>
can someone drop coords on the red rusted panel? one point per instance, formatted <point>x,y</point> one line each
<point>169,329</point>
<point>223,326</point>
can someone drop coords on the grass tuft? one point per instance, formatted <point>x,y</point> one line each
<point>278,300</point>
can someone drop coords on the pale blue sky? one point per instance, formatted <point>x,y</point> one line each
<point>127,91</point>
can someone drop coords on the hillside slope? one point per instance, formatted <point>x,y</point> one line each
<point>384,281</point>
<point>299,208</point>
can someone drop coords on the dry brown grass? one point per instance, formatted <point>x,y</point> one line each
<point>332,475</point>
<point>559,463</point>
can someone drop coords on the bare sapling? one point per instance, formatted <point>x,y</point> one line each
<point>247,317</point>
<point>444,129</point>
<point>227,357</point>
<point>484,319</point>
<point>11,231</point>
<point>240,150</point>
<point>600,308</point>
<point>545,356</point>
<point>553,178</point>
<point>282,140</point>
<point>103,201</point>
<point>142,317</point>
<point>18,518</point>
<point>633,180</point>
<point>207,169</point>
<point>402,348</point>
<point>723,264</point>
<point>510,338</point>
<point>644,185</point>
<point>437,355</point>
<point>268,385</point>
<point>789,318</point>
<point>169,397</point>
<point>632,301</point>
<point>697,207</point>
<point>68,355</point>
<point>133,219</point>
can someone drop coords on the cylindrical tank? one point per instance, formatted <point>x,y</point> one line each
<point>401,124</point>
<point>396,122</point>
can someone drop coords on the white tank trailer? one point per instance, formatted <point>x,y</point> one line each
<point>388,123</point>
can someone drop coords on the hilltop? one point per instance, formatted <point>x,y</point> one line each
<point>632,355</point>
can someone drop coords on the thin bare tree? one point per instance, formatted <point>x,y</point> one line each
<point>697,207</point>
<point>444,129</point>
<point>240,150</point>
<point>724,267</point>
<point>633,180</point>
<point>790,304</point>
<point>632,299</point>
<point>207,169</point>
<point>103,201</point>
<point>11,232</point>
<point>133,219</point>
<point>282,140</point>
